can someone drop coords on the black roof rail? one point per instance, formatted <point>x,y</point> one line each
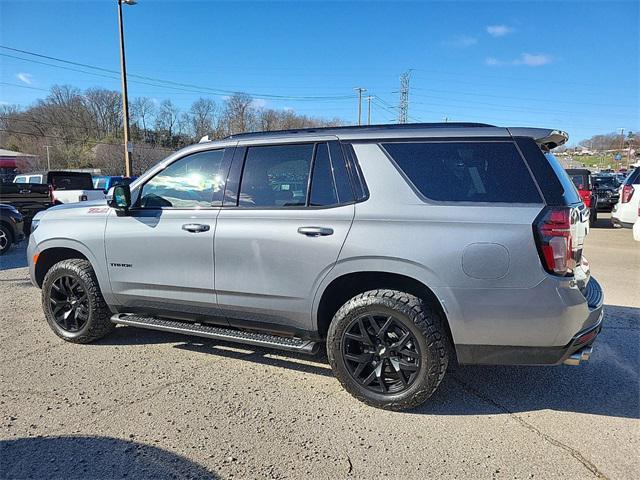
<point>363,128</point>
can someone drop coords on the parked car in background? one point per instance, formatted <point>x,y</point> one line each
<point>66,187</point>
<point>27,198</point>
<point>581,178</point>
<point>105,182</point>
<point>606,188</point>
<point>11,227</point>
<point>625,212</point>
<point>340,236</point>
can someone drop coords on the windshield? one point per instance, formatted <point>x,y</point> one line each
<point>606,182</point>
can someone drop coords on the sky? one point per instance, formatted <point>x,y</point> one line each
<point>569,65</point>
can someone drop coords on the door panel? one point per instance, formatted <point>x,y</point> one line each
<point>268,271</point>
<point>162,260</point>
<point>160,254</point>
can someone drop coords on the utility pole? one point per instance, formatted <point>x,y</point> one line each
<point>369,98</point>
<point>360,91</point>
<point>48,158</point>
<point>128,147</point>
<point>403,108</point>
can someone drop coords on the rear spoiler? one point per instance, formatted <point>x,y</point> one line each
<point>546,138</point>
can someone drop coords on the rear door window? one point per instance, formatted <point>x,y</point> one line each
<point>478,172</point>
<point>276,176</point>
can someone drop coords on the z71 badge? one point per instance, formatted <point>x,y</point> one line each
<point>98,210</point>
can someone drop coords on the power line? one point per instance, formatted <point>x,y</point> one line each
<point>214,91</point>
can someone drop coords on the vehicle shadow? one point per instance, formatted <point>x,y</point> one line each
<point>80,457</point>
<point>608,384</point>
<point>603,223</point>
<point>16,257</point>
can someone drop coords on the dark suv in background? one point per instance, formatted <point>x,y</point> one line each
<point>11,227</point>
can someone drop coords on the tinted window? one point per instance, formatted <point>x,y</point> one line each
<point>276,176</point>
<point>71,182</point>
<point>340,174</point>
<point>466,172</point>
<point>193,181</point>
<point>323,189</point>
<point>606,182</point>
<point>581,181</point>
<point>633,178</point>
<point>570,195</point>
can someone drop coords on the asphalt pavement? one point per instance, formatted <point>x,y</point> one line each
<point>143,404</point>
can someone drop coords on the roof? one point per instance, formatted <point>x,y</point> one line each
<point>10,153</point>
<point>359,129</point>
<point>545,136</point>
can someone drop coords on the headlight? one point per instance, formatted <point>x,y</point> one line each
<point>34,224</point>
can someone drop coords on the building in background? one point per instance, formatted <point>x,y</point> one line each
<point>12,163</point>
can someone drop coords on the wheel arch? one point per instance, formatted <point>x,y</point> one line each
<point>345,286</point>
<point>49,257</point>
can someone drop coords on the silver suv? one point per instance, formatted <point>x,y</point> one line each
<point>403,247</point>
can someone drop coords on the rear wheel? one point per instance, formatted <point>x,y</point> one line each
<point>6,239</point>
<point>73,304</point>
<point>388,349</point>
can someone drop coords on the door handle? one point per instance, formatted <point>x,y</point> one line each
<point>315,231</point>
<point>195,227</point>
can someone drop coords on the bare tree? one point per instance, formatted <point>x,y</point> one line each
<point>167,122</point>
<point>201,117</point>
<point>143,111</point>
<point>239,114</point>
<point>105,110</point>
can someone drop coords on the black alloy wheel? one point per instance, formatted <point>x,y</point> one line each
<point>69,303</point>
<point>381,353</point>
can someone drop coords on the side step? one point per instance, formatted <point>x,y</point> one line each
<point>218,333</point>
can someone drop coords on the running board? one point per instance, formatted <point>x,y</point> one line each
<point>293,344</point>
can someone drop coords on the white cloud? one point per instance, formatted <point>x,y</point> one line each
<point>533,60</point>
<point>258,103</point>
<point>461,41</point>
<point>526,59</point>
<point>493,62</point>
<point>25,78</point>
<point>499,30</point>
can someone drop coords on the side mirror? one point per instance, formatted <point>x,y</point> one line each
<point>119,197</point>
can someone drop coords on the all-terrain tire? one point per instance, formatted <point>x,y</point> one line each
<point>99,322</point>
<point>424,322</point>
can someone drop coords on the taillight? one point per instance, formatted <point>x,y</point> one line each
<point>585,195</point>
<point>51,197</point>
<point>552,230</point>
<point>627,193</point>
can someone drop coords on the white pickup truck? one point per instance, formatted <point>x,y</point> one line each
<point>66,187</point>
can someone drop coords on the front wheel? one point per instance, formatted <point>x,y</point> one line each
<point>6,239</point>
<point>73,304</point>
<point>388,349</point>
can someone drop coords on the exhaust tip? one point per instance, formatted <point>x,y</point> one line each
<point>581,355</point>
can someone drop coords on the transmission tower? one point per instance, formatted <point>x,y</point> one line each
<point>403,108</point>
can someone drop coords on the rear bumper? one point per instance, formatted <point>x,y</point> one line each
<point>579,345</point>
<point>619,223</point>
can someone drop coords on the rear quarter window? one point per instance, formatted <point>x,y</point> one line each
<point>478,172</point>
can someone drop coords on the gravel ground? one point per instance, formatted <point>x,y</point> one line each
<point>143,404</point>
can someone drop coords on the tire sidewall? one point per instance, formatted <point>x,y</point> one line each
<point>9,236</point>
<point>57,271</point>
<point>382,306</point>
